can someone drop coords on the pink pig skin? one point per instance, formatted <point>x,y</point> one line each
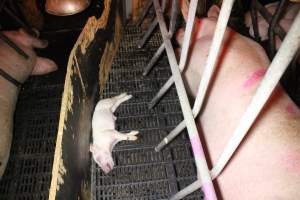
<point>105,137</point>
<point>258,169</point>
<point>19,68</point>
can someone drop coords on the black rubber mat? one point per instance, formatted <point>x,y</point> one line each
<point>140,172</point>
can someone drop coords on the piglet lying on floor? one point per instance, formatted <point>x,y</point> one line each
<point>105,137</point>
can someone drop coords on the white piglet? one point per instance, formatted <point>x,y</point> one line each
<point>105,137</point>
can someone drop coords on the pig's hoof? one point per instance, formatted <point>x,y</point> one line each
<point>132,135</point>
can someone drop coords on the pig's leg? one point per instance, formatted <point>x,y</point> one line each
<point>131,136</point>
<point>120,99</point>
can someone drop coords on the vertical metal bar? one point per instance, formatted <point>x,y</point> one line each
<point>284,56</point>
<point>253,13</point>
<point>274,21</point>
<point>161,49</point>
<point>201,165</point>
<point>213,54</point>
<point>151,28</point>
<point>174,13</point>
<point>208,69</point>
<point>144,13</point>
<point>188,33</point>
<point>10,43</point>
<point>184,52</point>
<point>268,17</point>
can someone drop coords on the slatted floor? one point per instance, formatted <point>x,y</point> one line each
<point>140,172</point>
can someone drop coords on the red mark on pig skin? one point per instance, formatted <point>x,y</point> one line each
<point>255,76</point>
<point>292,109</point>
<point>196,146</point>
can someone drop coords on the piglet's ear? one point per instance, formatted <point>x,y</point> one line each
<point>213,12</point>
<point>43,66</point>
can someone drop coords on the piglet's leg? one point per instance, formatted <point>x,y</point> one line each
<point>131,136</point>
<point>120,99</point>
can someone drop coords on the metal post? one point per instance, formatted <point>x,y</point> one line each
<point>201,165</point>
<point>208,69</point>
<point>268,17</point>
<point>184,52</point>
<point>274,21</point>
<point>151,28</point>
<point>144,13</point>
<point>161,49</point>
<point>253,13</point>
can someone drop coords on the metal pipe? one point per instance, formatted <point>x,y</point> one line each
<point>146,36</point>
<point>188,33</point>
<point>184,52</point>
<point>154,59</point>
<point>284,56</point>
<point>151,28</point>
<point>208,69</point>
<point>144,13</point>
<point>201,164</point>
<point>161,49</point>
<point>268,17</point>
<point>274,21</point>
<point>253,13</point>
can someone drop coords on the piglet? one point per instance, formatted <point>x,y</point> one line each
<point>105,137</point>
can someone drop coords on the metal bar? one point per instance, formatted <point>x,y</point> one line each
<point>253,13</point>
<point>268,17</point>
<point>201,165</point>
<point>144,13</point>
<point>149,31</point>
<point>10,43</point>
<point>19,21</point>
<point>161,93</point>
<point>274,21</point>
<point>208,69</point>
<point>151,28</point>
<point>188,33</point>
<point>154,59</point>
<point>160,50</point>
<point>174,13</point>
<point>284,56</point>
<point>184,52</point>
